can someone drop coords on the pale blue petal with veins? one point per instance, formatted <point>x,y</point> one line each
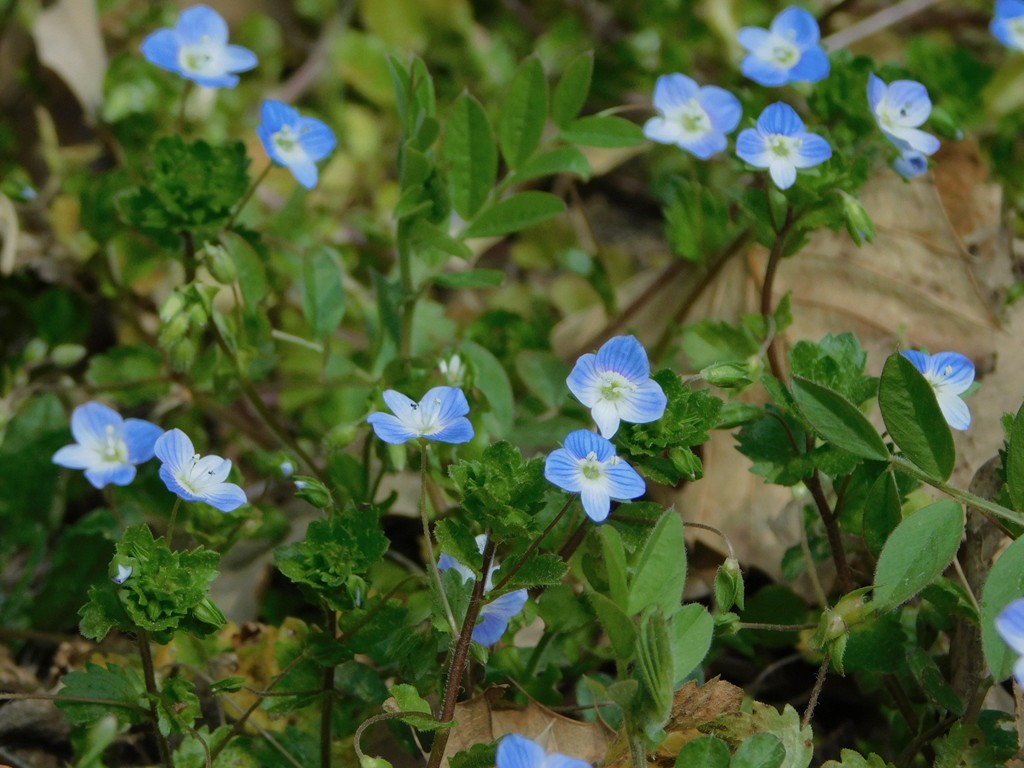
<point>950,375</point>
<point>787,52</point>
<point>517,751</point>
<point>587,465</point>
<point>196,478</point>
<point>781,144</point>
<point>294,141</point>
<point>440,416</point>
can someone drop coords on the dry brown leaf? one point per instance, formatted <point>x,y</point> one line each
<point>482,720</point>
<point>68,41</point>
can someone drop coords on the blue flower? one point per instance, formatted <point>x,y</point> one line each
<point>586,464</point>
<point>786,52</point>
<point>616,385</point>
<point>124,572</point>
<point>516,751</point>
<point>197,49</point>
<point>1008,23</point>
<point>1010,625</point>
<point>900,108</point>
<point>910,164</point>
<point>780,144</point>
<point>693,118</point>
<point>196,478</point>
<point>495,615</point>
<point>950,374</point>
<point>440,416</point>
<point>108,447</point>
<point>294,141</point>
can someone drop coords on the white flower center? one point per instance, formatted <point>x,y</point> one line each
<point>781,51</point>
<point>200,59</point>
<point>197,478</point>
<point>614,386</point>
<point>784,146</point>
<point>112,447</point>
<point>591,468</point>
<point>692,118</point>
<point>947,371</point>
<point>427,420</point>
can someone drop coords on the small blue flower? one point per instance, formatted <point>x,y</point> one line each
<point>439,416</point>
<point>616,385</point>
<point>693,118</point>
<point>1010,625</point>
<point>495,615</point>
<point>1008,23</point>
<point>196,478</point>
<point>124,572</point>
<point>900,108</point>
<point>950,374</point>
<point>910,164</point>
<point>786,52</point>
<point>780,144</point>
<point>197,49</point>
<point>586,464</point>
<point>294,141</point>
<point>516,751</point>
<point>107,447</point>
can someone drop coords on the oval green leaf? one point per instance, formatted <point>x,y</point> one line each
<point>515,213</point>
<point>523,113</point>
<point>912,416</point>
<point>1004,585</point>
<point>603,131</point>
<point>471,156</point>
<point>838,420</point>
<point>571,92</point>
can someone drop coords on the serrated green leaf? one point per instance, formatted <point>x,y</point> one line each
<point>912,416</point>
<point>838,420</point>
<point>405,698</point>
<point>455,538</point>
<point>515,213</point>
<point>603,131</point>
<point>617,625</point>
<point>1005,584</point>
<point>541,570</point>
<point>690,633</point>
<point>323,296</point>
<point>851,759</point>
<point>571,91</point>
<point>523,113</point>
<point>762,750</point>
<point>470,155</point>
<point>917,552</point>
<point>119,690</point>
<point>654,663</point>
<point>555,162</point>
<point>471,278</point>
<point>502,491</point>
<point>736,727</point>
<point>660,569</point>
<point>703,752</point>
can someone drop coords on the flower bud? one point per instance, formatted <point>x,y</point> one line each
<point>858,222</point>
<point>220,264</point>
<point>732,374</point>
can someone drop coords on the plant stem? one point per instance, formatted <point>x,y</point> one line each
<point>248,195</point>
<point>182,117</point>
<point>533,546</point>
<point>327,703</point>
<point>174,517</point>
<point>408,289</point>
<point>965,497</point>
<point>154,694</point>
<point>819,683</point>
<point>458,660</point>
<point>767,309</point>
<point>432,564</point>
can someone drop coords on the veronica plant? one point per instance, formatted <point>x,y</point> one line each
<point>196,478</point>
<point>197,49</point>
<point>694,118</point>
<point>106,446</point>
<point>1008,23</point>
<point>950,375</point>
<point>440,416</point>
<point>294,141</point>
<point>587,464</point>
<point>899,108</point>
<point>781,144</point>
<point>786,52</point>
<point>517,751</point>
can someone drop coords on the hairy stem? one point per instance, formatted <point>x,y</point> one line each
<point>533,546</point>
<point>154,693</point>
<point>966,497</point>
<point>327,702</point>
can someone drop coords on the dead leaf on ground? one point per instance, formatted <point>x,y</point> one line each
<point>68,41</point>
<point>482,720</point>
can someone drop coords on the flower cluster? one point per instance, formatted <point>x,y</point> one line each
<point>109,448</point>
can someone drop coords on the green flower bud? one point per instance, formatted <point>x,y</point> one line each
<point>208,613</point>
<point>729,585</point>
<point>733,374</point>
<point>312,490</point>
<point>858,222</point>
<point>220,264</point>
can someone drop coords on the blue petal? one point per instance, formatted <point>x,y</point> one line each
<point>911,164</point>
<point>402,406</point>
<point>458,431</point>
<point>708,145</point>
<point>517,751</point>
<point>507,606</point>
<point>813,151</point>
<point>723,108</point>
<point>780,119</point>
<point>489,630</point>
<point>753,38</point>
<point>954,410</point>
<point>304,172</point>
<point>751,147</point>
<point>316,138</point>
<point>1008,9</point>
<point>213,81</point>
<point>783,172</point>
<point>276,115</point>
<point>116,474</point>
<point>797,25</point>
<point>961,370</point>
<point>876,91</point>
<point>626,356</point>
<point>584,380</point>
<point>140,437</point>
<point>174,449</point>
<point>596,503</point>
<point>200,21</point>
<point>174,486</point>
<point>643,405</point>
<point>1010,624</point>
<point>237,58</point>
<point>89,423</point>
<point>911,98</point>
<point>581,442</point>
<point>812,67</point>
<point>390,429</point>
<point>226,497</point>
<point>561,469</point>
<point>673,91</point>
<point>919,359</point>
<point>267,139</point>
<point>558,760</point>
<point>75,457</point>
<point>764,72</point>
<point>453,402</point>
<point>162,48</point>
<point>623,482</point>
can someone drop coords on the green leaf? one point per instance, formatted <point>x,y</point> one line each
<point>603,131</point>
<point>614,556</point>
<point>882,511</point>
<point>515,213</point>
<point>690,632</point>
<point>703,752</point>
<point>477,756</point>
<point>471,278</point>
<point>502,491</point>
<point>119,689</point>
<point>471,156</point>
<point>1015,461</point>
<point>523,113</point>
<point>249,263</point>
<point>850,759</point>
<point>323,297</point>
<point>455,538</point>
<point>660,569</point>
<point>762,750</point>
<point>616,623</point>
<point>1004,585</point>
<point>405,698</point>
<point>836,362</point>
<point>735,727</point>
<point>553,162</point>
<point>492,380</point>
<point>544,374</point>
<point>838,420</point>
<point>541,570</point>
<point>654,663</point>
<point>427,239</point>
<point>912,416</point>
<point>571,92</point>
<point>917,552</point>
